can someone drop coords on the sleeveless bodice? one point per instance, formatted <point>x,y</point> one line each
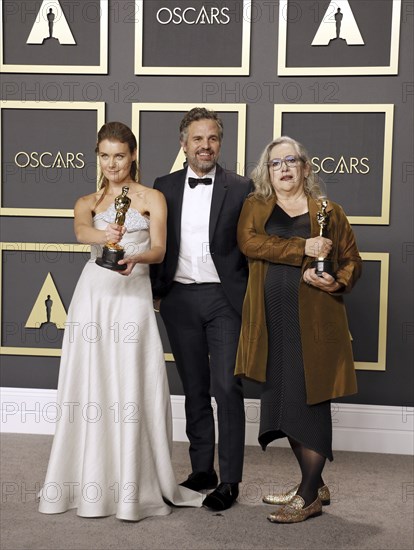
<point>135,240</point>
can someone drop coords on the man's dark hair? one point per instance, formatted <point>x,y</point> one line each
<point>199,113</point>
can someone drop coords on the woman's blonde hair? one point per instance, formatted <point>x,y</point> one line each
<point>261,178</point>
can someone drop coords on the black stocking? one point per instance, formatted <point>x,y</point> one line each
<point>311,465</point>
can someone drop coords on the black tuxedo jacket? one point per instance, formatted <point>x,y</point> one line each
<point>229,193</point>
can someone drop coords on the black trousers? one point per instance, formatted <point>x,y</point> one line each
<point>203,329</point>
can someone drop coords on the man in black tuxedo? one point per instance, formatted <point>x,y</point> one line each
<point>201,285</point>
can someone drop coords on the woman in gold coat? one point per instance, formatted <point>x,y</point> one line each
<point>295,335</point>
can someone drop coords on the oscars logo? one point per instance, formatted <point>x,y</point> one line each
<point>350,165</point>
<point>46,159</point>
<point>193,16</point>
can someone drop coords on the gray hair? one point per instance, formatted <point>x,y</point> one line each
<point>260,175</point>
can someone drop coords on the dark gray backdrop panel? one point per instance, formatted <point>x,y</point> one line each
<point>82,18</point>
<point>346,135</point>
<point>191,45</point>
<point>24,273</point>
<point>52,131</point>
<point>373,18</point>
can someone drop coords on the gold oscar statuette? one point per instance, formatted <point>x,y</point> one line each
<point>113,252</point>
<point>322,264</point>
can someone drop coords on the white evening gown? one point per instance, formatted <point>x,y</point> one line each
<point>111,452</point>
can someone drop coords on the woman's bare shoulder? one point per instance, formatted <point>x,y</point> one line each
<point>148,194</point>
<point>88,201</point>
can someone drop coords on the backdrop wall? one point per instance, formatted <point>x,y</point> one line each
<point>145,64</point>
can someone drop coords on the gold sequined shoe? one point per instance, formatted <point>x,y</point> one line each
<point>294,512</point>
<point>284,498</point>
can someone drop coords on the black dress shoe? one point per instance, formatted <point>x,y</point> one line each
<point>223,497</point>
<point>197,481</point>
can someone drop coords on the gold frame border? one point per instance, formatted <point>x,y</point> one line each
<point>240,109</point>
<point>32,247</point>
<point>382,257</point>
<point>388,110</point>
<point>379,365</point>
<point>99,107</point>
<point>391,69</point>
<point>40,352</point>
<point>102,68</point>
<point>244,69</point>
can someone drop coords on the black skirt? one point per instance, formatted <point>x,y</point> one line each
<point>284,411</point>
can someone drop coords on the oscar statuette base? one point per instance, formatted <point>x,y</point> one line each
<point>110,258</point>
<point>323,266</point>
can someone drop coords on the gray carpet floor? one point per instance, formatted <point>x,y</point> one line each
<point>372,507</point>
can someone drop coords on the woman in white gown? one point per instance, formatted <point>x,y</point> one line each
<point>111,452</point>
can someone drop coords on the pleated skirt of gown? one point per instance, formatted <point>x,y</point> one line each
<point>284,411</point>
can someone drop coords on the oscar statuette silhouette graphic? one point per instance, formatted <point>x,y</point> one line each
<point>113,252</point>
<point>338,20</point>
<point>48,304</point>
<point>50,19</point>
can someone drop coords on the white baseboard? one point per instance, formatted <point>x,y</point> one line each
<point>364,428</point>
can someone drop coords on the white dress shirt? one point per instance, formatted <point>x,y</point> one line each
<point>195,264</point>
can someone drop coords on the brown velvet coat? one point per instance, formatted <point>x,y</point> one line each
<point>326,344</point>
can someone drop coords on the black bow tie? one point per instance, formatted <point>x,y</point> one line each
<point>193,182</point>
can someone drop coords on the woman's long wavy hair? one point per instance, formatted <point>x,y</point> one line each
<point>117,131</point>
<point>261,177</point>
